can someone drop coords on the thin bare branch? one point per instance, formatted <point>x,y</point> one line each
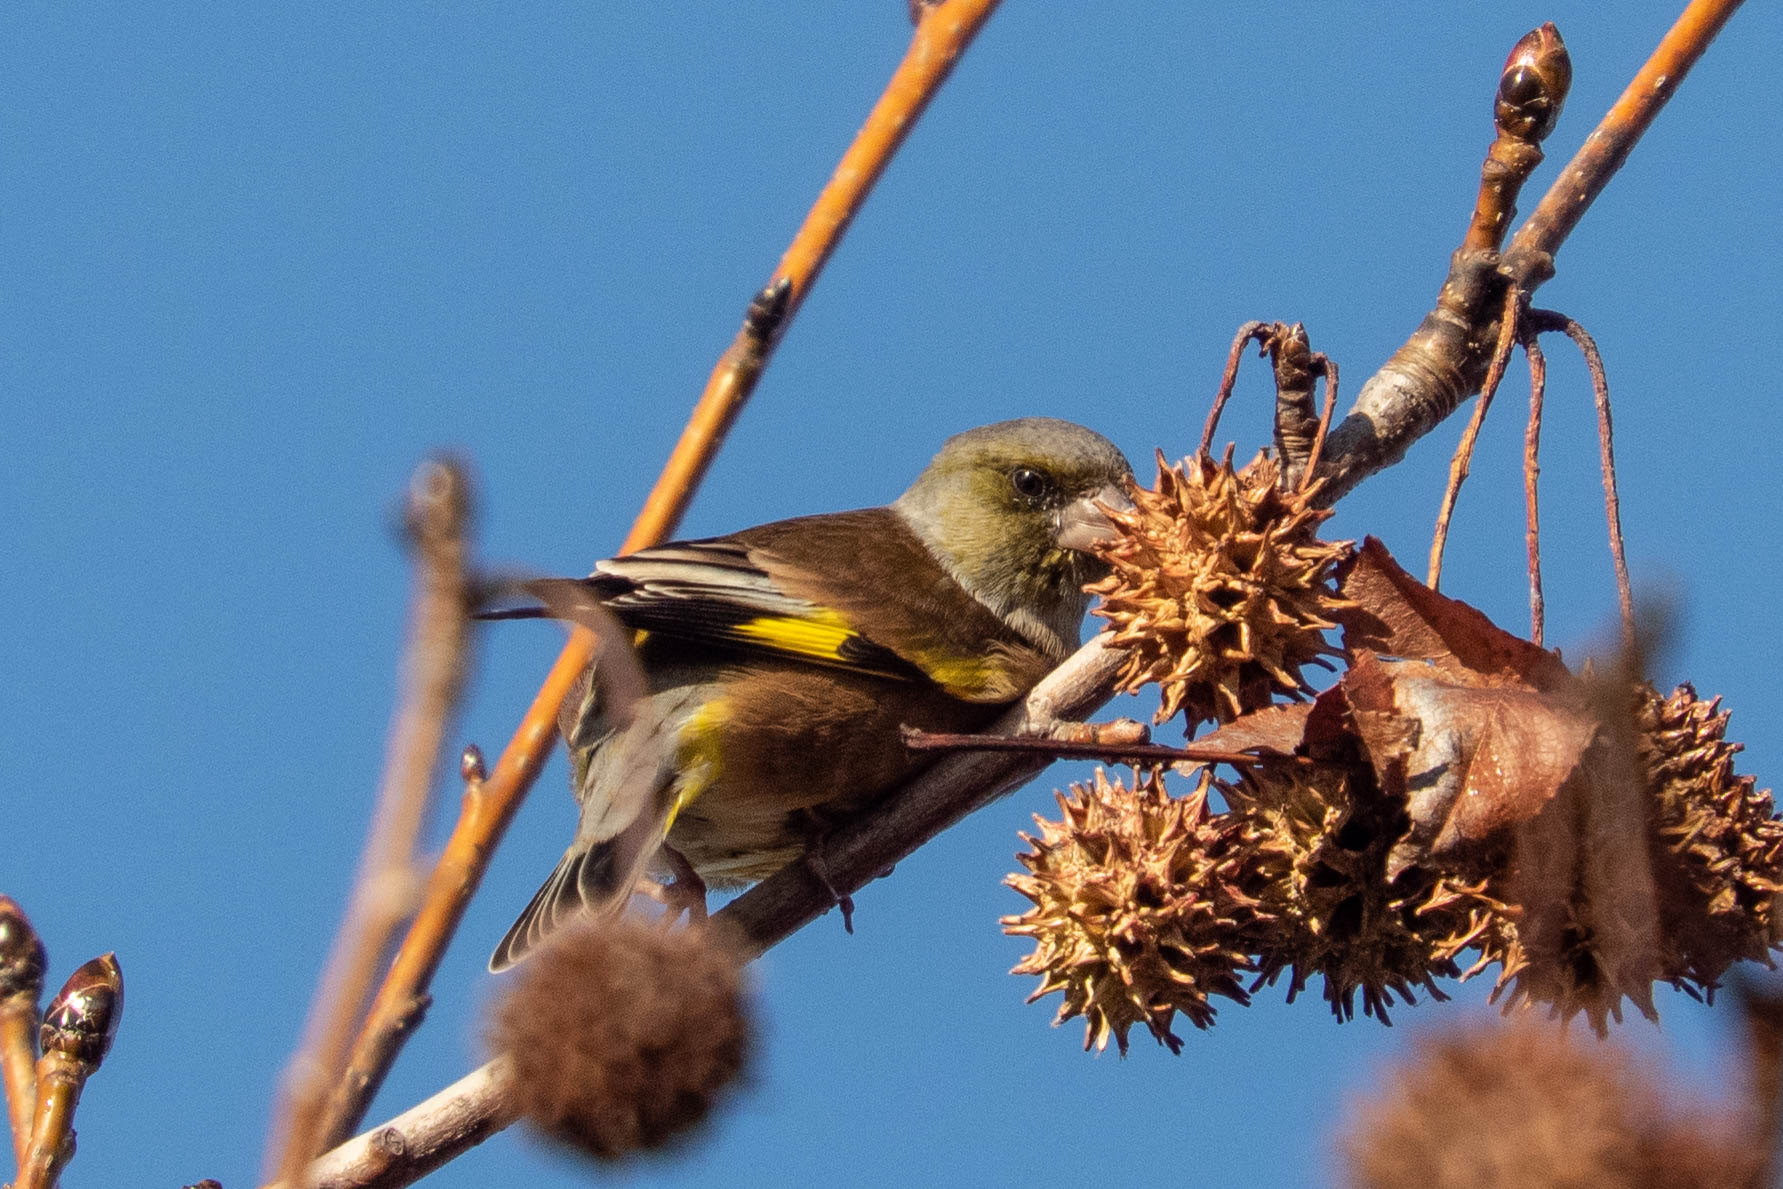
<point>420,1139</point>
<point>1463,459</point>
<point>385,891</point>
<point>1543,321</point>
<point>1070,749</point>
<point>1532,441</point>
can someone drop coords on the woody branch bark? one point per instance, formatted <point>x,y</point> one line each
<point>943,31</point>
<point>1391,412</point>
<point>1445,360</point>
<point>384,893</point>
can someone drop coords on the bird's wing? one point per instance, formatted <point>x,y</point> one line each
<point>851,590</point>
<point>724,592</point>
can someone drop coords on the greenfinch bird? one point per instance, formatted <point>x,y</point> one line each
<point>781,663</point>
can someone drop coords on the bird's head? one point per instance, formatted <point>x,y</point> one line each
<point>1011,511</point>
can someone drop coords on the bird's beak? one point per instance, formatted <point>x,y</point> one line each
<point>1083,524</point>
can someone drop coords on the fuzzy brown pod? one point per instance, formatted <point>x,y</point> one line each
<point>1220,589</point>
<point>1532,1106</point>
<point>1133,918</point>
<point>621,1034</point>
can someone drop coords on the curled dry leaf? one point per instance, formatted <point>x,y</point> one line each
<point>1395,615</point>
<point>1514,769</point>
<point>1472,759</point>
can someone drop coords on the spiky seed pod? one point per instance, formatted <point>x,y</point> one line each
<point>1313,844</point>
<point>1132,918</point>
<point>1220,589</point>
<point>1717,844</point>
<point>622,1033</point>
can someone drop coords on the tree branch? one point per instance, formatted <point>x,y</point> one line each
<point>437,516</point>
<point>1394,409</point>
<point>420,1139</point>
<point>1445,360</point>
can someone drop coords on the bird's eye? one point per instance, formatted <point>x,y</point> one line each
<point>1029,483</point>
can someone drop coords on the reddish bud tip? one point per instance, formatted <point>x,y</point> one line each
<point>22,957</point>
<point>470,765</point>
<point>1532,89</point>
<point>84,1015</point>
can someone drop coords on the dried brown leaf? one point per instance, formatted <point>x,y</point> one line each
<point>1396,615</point>
<point>1473,759</point>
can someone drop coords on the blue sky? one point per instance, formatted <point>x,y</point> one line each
<point>258,263</point>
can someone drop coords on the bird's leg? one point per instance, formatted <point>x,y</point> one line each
<point>817,834</point>
<point>687,893</point>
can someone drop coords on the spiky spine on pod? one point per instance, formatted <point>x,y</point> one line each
<point>1717,844</point>
<point>1220,589</point>
<point>1133,917</point>
<point>1313,845</point>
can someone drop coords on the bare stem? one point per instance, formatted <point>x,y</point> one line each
<point>942,34</point>
<point>1260,331</point>
<point>1061,749</point>
<point>1533,247</point>
<point>1532,471</point>
<point>1463,459</point>
<point>420,1139</point>
<point>1547,320</point>
<point>385,891</point>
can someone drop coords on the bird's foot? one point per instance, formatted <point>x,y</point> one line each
<point>685,893</point>
<point>814,860</point>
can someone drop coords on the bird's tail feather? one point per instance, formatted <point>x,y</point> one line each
<point>595,880</point>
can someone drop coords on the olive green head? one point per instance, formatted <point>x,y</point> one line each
<point>1010,510</point>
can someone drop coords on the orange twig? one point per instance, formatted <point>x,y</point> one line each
<point>943,32</point>
<point>1501,355</point>
<point>1530,255</point>
<point>1532,440</point>
<point>389,878</point>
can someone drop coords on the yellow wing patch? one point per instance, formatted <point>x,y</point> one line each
<point>820,635</point>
